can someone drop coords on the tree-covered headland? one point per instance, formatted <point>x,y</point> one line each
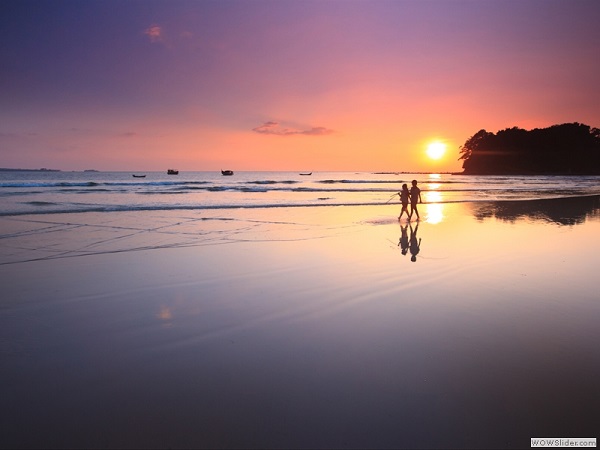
<point>570,148</point>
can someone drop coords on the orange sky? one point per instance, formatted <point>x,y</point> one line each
<point>260,85</point>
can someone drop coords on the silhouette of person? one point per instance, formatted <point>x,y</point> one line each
<point>404,196</point>
<point>415,246</point>
<point>403,243</point>
<point>415,197</point>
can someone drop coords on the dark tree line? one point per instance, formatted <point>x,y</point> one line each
<point>570,148</point>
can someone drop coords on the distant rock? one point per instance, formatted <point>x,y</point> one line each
<point>43,169</point>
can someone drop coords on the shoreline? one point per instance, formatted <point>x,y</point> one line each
<point>112,209</point>
<point>95,230</point>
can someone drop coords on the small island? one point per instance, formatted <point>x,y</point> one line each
<point>566,149</point>
<point>43,169</point>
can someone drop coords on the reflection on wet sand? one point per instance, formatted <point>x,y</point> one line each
<point>562,211</point>
<point>403,242</point>
<point>434,212</point>
<point>413,243</point>
<point>415,246</point>
<point>284,328</point>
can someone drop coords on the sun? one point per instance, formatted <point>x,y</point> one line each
<point>436,150</point>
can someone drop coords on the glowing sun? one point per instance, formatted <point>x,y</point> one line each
<point>436,150</point>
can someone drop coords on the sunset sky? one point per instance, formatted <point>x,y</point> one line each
<point>285,84</point>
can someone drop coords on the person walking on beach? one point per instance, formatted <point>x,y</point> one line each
<point>415,197</point>
<point>404,196</point>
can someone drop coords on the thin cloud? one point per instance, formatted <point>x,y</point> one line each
<point>275,129</point>
<point>154,33</point>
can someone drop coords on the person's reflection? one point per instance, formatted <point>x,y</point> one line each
<point>415,246</point>
<point>403,243</point>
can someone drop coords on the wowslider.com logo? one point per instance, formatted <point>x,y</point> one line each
<point>564,442</point>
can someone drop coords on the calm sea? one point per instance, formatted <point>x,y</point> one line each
<point>41,192</point>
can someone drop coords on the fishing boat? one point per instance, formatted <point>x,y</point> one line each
<point>227,172</point>
<point>172,172</point>
<point>306,174</point>
<point>138,176</point>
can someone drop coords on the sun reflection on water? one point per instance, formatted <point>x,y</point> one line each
<point>434,208</point>
<point>432,197</point>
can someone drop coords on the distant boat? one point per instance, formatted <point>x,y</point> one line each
<point>139,176</point>
<point>172,172</point>
<point>306,174</point>
<point>226,172</point>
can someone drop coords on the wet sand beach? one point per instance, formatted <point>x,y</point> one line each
<point>317,327</point>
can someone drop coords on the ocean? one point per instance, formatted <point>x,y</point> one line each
<point>43,192</point>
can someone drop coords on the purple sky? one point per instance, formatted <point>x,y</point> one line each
<point>285,85</point>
